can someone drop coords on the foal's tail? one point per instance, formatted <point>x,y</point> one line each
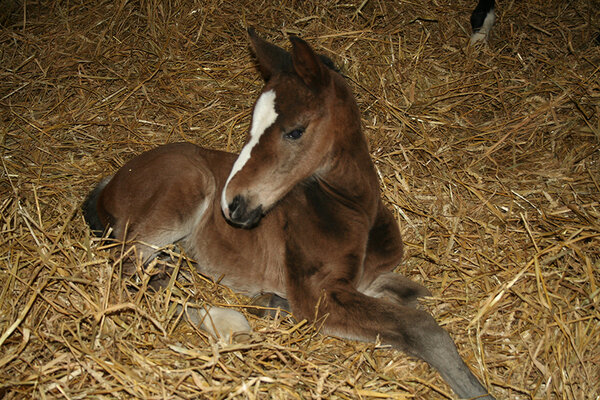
<point>90,208</point>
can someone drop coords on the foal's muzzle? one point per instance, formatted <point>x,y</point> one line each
<point>239,215</point>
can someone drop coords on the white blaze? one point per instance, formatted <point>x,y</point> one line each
<point>263,117</point>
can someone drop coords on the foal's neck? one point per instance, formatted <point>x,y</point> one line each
<point>351,178</point>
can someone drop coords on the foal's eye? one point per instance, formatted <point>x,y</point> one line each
<point>295,134</point>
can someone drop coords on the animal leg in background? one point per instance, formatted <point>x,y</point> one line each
<point>482,20</point>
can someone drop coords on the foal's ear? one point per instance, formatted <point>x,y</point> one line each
<point>308,65</point>
<point>271,58</point>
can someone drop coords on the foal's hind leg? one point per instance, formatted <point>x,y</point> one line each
<point>145,252</point>
<point>155,199</point>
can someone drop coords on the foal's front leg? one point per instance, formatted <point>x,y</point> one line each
<point>354,315</point>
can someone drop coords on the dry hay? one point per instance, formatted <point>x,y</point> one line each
<point>488,157</point>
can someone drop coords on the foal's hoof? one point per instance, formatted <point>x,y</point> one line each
<point>225,324</point>
<point>269,304</point>
<point>241,337</point>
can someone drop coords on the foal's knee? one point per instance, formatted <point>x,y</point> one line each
<point>396,288</point>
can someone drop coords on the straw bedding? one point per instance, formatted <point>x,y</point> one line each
<point>489,158</point>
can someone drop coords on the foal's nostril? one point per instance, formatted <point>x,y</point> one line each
<point>237,207</point>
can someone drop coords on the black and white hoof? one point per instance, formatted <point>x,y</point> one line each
<point>482,20</point>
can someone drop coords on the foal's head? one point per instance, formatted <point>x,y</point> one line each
<point>295,125</point>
